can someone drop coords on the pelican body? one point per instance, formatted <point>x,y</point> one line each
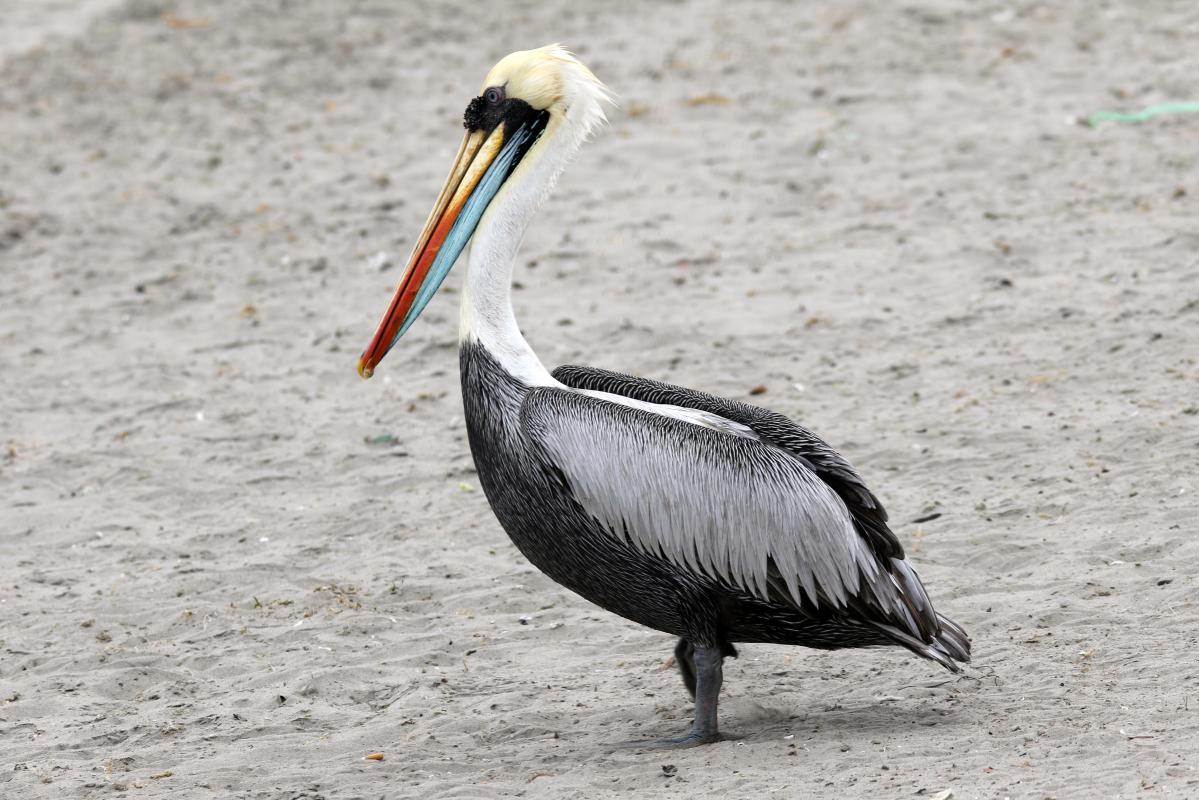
<point>708,519</point>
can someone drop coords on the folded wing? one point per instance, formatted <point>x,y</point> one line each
<point>738,509</point>
<point>868,513</point>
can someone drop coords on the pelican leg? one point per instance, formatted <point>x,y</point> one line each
<point>707,670</point>
<point>709,675</point>
<point>684,657</point>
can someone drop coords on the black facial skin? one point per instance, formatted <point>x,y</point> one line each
<point>493,107</point>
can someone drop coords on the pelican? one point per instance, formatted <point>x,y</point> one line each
<point>707,519</point>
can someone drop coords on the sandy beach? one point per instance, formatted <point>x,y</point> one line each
<point>230,568</point>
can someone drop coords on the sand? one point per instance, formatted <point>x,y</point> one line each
<point>230,568</point>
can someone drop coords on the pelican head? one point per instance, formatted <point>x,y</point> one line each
<point>530,98</point>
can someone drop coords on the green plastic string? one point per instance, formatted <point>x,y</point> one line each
<point>1142,115</point>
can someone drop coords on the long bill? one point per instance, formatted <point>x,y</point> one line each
<point>483,163</point>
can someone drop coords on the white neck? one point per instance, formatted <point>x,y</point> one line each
<point>486,313</point>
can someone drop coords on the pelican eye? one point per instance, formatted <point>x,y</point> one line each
<point>489,109</point>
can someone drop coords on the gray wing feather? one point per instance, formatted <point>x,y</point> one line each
<point>829,465</point>
<point>890,593</point>
<point>733,508</point>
